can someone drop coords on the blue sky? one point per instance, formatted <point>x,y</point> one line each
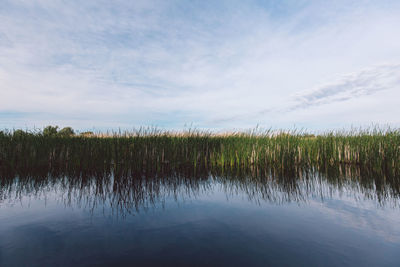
<point>210,64</point>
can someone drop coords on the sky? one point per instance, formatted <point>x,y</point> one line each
<point>215,65</point>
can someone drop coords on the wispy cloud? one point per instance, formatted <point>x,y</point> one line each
<point>346,88</point>
<point>363,83</point>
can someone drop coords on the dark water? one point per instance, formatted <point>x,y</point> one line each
<point>178,220</point>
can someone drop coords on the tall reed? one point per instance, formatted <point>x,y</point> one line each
<point>372,150</point>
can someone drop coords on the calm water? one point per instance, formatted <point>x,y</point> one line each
<point>208,220</point>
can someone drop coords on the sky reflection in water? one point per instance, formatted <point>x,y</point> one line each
<point>179,220</point>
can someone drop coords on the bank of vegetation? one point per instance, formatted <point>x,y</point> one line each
<point>152,150</point>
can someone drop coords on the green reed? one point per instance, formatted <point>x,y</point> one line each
<point>153,151</point>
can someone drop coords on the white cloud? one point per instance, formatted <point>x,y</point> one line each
<point>363,83</point>
<point>214,64</point>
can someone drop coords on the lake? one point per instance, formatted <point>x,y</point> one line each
<point>186,219</point>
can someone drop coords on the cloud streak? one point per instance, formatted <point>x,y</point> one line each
<point>348,87</point>
<point>363,83</point>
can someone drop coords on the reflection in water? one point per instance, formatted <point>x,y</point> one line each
<point>127,190</point>
<point>341,216</point>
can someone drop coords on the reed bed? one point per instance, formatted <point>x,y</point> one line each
<point>154,150</point>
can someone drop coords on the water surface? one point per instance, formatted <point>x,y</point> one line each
<point>207,219</point>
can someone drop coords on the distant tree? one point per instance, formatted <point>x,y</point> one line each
<point>66,131</point>
<point>19,133</point>
<point>50,130</point>
<point>87,134</point>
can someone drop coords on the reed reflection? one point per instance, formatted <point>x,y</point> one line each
<point>128,190</point>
